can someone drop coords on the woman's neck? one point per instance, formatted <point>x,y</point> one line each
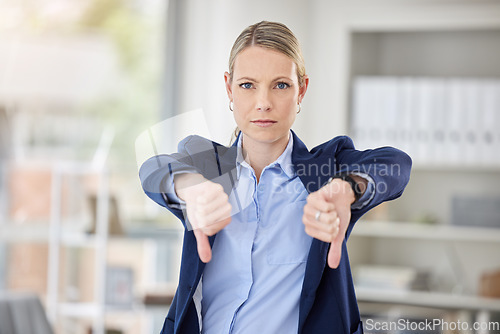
<point>260,154</point>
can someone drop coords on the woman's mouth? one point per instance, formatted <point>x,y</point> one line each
<point>264,123</point>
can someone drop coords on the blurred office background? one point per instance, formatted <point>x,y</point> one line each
<point>81,82</point>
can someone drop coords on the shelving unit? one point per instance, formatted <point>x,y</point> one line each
<point>81,301</point>
<point>37,233</point>
<point>435,38</point>
<point>160,253</point>
<point>429,299</point>
<point>380,238</point>
<point>422,231</point>
<point>477,309</point>
<point>98,242</point>
<point>55,228</point>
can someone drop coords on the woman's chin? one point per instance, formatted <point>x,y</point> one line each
<point>266,137</point>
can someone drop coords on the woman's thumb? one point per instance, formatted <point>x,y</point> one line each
<point>335,253</point>
<point>204,250</point>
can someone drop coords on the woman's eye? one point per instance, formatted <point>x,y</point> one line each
<point>246,85</point>
<point>282,85</point>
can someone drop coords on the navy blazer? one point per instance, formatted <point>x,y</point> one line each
<point>327,302</point>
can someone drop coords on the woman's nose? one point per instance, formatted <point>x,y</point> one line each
<point>263,101</point>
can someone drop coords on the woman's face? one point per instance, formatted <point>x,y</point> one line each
<point>265,92</point>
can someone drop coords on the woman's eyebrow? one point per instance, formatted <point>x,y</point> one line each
<point>283,78</point>
<point>246,79</point>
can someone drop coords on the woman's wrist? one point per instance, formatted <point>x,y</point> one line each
<point>361,184</point>
<point>340,190</point>
<point>352,185</point>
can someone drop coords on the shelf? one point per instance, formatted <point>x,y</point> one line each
<point>37,233</point>
<point>90,310</point>
<point>78,310</point>
<point>446,168</point>
<point>425,232</point>
<point>40,233</point>
<point>428,299</point>
<point>24,233</point>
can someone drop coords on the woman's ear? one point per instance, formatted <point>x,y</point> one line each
<point>303,88</point>
<point>227,80</point>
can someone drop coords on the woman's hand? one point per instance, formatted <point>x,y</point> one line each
<point>327,215</point>
<point>208,208</point>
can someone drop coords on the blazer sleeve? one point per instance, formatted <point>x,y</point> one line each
<point>157,172</point>
<point>195,155</point>
<point>388,167</point>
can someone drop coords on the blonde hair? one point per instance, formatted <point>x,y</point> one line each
<point>270,35</point>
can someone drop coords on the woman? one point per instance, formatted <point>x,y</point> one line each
<point>266,219</point>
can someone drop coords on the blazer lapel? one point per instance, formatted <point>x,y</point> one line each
<point>308,167</point>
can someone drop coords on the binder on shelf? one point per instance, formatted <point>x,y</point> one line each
<point>492,109</point>
<point>361,100</point>
<point>472,110</point>
<point>488,123</point>
<point>423,115</point>
<point>378,113</point>
<point>390,105</point>
<point>405,117</point>
<point>437,121</point>
<point>454,139</point>
<point>496,143</point>
<point>374,114</point>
